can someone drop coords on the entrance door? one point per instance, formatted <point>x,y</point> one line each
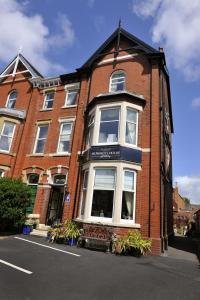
<point>55,209</point>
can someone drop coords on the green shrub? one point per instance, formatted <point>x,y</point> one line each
<point>15,197</point>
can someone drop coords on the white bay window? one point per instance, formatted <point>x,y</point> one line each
<point>128,195</point>
<point>131,126</point>
<point>109,126</point>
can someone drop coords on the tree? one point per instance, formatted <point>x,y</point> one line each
<point>15,197</point>
<point>186,200</point>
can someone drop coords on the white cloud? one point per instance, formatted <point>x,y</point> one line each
<point>189,186</point>
<point>176,27</point>
<point>20,29</point>
<point>196,102</point>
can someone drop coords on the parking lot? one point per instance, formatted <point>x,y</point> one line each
<point>31,268</point>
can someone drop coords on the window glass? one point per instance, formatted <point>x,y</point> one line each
<point>11,99</point>
<point>90,131</point>
<point>49,98</point>
<point>59,179</point>
<point>41,138</point>
<point>103,193</point>
<point>85,183</point>
<point>33,178</point>
<point>117,81</point>
<point>1,173</point>
<point>128,195</point>
<point>6,136</point>
<point>71,98</point>
<point>109,125</point>
<point>65,137</point>
<point>131,122</point>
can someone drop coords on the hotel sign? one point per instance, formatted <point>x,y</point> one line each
<point>115,152</point>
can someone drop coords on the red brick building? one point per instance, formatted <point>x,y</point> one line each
<point>95,145</point>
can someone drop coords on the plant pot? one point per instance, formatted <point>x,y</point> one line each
<point>26,229</point>
<point>72,242</point>
<point>60,240</point>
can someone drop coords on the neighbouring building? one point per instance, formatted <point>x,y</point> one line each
<point>94,145</point>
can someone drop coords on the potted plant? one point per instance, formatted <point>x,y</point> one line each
<point>72,233</point>
<point>28,227</point>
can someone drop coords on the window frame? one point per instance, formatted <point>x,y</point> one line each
<point>28,179</point>
<point>13,100</point>
<point>111,79</point>
<point>136,127</point>
<point>37,136</point>
<point>46,101</point>
<point>2,173</point>
<point>84,189</point>
<point>99,125</point>
<point>131,191</point>
<point>11,138</point>
<point>59,138</point>
<point>70,91</point>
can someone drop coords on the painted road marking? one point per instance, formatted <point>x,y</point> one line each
<point>15,267</point>
<point>47,246</point>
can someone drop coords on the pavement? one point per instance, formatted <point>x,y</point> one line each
<point>33,269</point>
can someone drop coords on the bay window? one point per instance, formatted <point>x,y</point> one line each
<point>84,193</point>
<point>103,192</point>
<point>109,126</point>
<point>64,137</point>
<point>90,131</point>
<point>41,138</point>
<point>6,136</point>
<point>128,195</point>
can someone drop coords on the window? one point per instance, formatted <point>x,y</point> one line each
<point>59,179</point>
<point>71,98</point>
<point>131,126</point>
<point>85,184</point>
<point>33,179</point>
<point>11,99</point>
<point>41,138</point>
<point>117,81</point>
<point>109,126</point>
<point>103,193</point>
<point>128,194</point>
<point>64,137</point>
<point>6,136</point>
<point>1,173</point>
<point>90,131</point>
<point>48,100</point>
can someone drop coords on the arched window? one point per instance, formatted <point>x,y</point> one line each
<point>59,179</point>
<point>11,99</point>
<point>33,178</point>
<point>117,81</point>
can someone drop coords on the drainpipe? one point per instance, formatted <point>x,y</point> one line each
<point>149,219</point>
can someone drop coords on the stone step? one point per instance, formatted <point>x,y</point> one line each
<point>39,232</point>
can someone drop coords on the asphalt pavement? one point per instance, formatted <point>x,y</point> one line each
<point>63,272</point>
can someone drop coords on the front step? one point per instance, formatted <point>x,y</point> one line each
<point>40,231</point>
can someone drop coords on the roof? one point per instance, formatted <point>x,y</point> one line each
<point>117,34</point>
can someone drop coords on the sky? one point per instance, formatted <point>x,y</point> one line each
<point>59,36</point>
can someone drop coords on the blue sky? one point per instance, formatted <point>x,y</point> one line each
<point>59,36</point>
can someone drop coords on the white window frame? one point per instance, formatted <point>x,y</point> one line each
<point>116,220</point>
<point>131,191</point>
<point>123,106</point>
<point>46,101</point>
<point>11,137</point>
<point>99,125</point>
<point>136,127</point>
<point>2,172</point>
<point>111,81</point>
<point>13,100</point>
<point>70,91</point>
<point>28,177</point>
<point>84,189</point>
<point>37,136</point>
<point>61,126</point>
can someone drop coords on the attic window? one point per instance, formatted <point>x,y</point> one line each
<point>117,81</point>
<point>11,99</point>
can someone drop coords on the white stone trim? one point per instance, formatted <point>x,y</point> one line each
<point>118,58</point>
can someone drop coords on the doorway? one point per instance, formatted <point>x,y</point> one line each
<point>55,208</point>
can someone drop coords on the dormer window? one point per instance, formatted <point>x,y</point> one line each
<point>117,81</point>
<point>48,100</point>
<point>11,99</point>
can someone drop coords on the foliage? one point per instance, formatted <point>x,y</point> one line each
<point>132,243</point>
<point>15,197</point>
<point>186,200</point>
<point>65,230</point>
